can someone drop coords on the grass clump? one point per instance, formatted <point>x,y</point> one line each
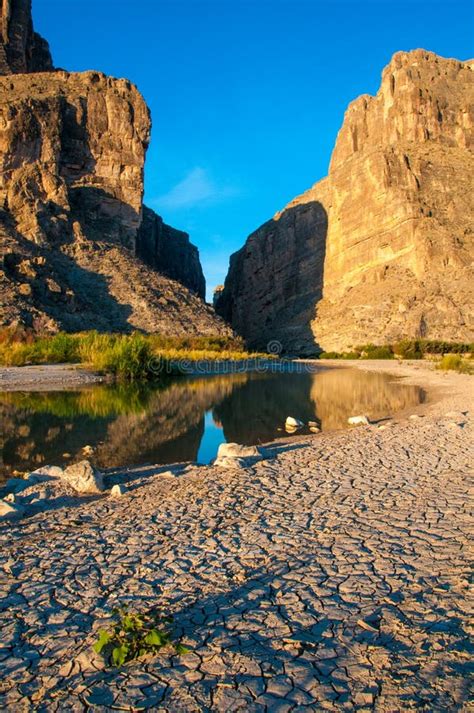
<point>135,634</point>
<point>128,357</point>
<point>455,362</point>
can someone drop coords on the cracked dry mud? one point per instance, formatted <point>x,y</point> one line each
<point>331,576</point>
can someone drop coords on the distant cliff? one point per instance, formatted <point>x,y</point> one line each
<point>382,248</point>
<point>78,250</point>
<point>169,251</point>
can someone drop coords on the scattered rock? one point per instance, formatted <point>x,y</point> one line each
<point>415,417</point>
<point>118,490</point>
<point>358,421</point>
<point>315,429</point>
<point>47,472</point>
<point>292,422</point>
<point>456,415</point>
<point>84,478</point>
<point>234,450</point>
<point>455,424</point>
<point>167,474</point>
<point>10,511</point>
<point>232,463</point>
<point>88,450</point>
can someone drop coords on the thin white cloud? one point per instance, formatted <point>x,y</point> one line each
<point>197,187</point>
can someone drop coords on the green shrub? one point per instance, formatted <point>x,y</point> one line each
<point>408,349</point>
<point>339,355</point>
<point>455,362</point>
<point>135,634</point>
<point>373,351</point>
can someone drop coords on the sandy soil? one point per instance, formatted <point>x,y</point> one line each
<point>332,575</point>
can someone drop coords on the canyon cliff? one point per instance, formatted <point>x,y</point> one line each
<point>382,248</point>
<point>78,249</point>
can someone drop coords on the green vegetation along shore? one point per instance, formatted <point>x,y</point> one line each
<point>129,357</point>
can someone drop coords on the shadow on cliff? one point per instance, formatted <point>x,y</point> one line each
<point>276,281</point>
<point>76,297</point>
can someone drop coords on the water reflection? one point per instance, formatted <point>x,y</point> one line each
<point>187,418</point>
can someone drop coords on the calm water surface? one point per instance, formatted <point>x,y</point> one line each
<point>187,419</point>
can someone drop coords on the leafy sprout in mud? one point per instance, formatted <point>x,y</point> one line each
<point>135,634</point>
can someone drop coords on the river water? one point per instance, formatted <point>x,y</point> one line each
<point>186,419</point>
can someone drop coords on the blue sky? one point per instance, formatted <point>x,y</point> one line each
<point>247,96</point>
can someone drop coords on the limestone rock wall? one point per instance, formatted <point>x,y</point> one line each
<point>170,251</point>
<point>72,153</point>
<point>275,280</point>
<point>397,253</point>
<point>77,248</point>
<point>21,49</point>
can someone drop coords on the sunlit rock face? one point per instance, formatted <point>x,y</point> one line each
<point>72,152</point>
<point>78,250</point>
<point>395,254</point>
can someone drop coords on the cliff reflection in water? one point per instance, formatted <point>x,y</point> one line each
<point>145,424</point>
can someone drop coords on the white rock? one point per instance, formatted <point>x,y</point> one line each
<point>315,429</point>
<point>47,472</point>
<point>167,474</point>
<point>293,422</point>
<point>118,490</point>
<point>358,421</point>
<point>415,417</point>
<point>84,478</point>
<point>291,429</point>
<point>313,424</point>
<point>455,424</point>
<point>232,463</point>
<point>88,450</point>
<point>9,511</point>
<point>456,415</point>
<point>234,450</point>
<point>10,498</point>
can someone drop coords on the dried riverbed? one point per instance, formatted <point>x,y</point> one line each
<point>331,576</point>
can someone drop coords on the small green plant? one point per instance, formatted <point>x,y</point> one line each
<point>135,634</point>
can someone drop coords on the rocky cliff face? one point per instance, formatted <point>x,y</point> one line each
<point>169,251</point>
<point>77,248</point>
<point>21,49</point>
<point>382,248</point>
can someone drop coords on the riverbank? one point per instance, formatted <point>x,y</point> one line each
<point>47,377</point>
<point>332,574</point>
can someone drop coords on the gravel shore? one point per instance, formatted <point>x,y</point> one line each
<point>46,377</point>
<point>330,576</point>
